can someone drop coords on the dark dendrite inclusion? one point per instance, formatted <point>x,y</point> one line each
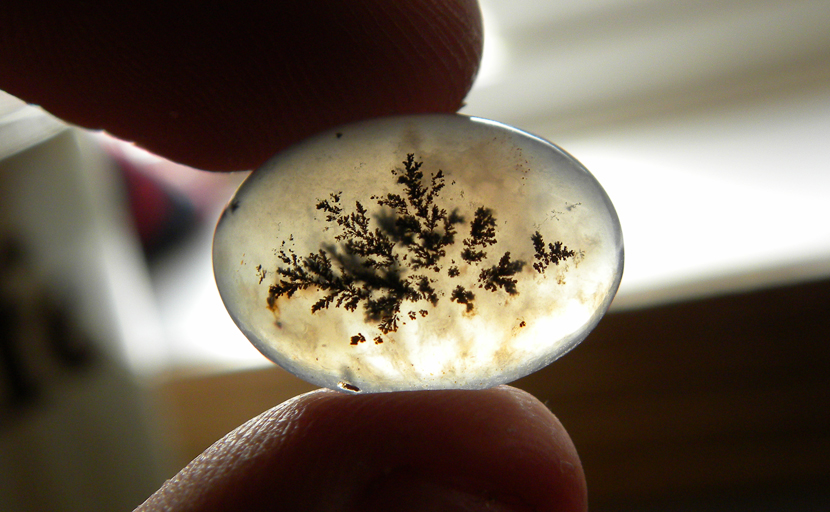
<point>384,265</point>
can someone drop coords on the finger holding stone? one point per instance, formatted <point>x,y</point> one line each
<point>495,449</point>
<point>225,85</point>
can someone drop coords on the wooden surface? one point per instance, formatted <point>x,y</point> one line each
<point>721,397</point>
<point>710,401</point>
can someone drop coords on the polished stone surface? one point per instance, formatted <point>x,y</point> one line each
<point>421,252</point>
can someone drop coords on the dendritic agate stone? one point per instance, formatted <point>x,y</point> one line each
<point>421,252</point>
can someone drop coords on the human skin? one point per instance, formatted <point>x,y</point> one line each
<point>498,450</point>
<point>224,87</point>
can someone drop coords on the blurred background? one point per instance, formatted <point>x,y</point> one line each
<point>706,387</point>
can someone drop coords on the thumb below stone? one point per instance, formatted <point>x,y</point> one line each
<point>495,449</point>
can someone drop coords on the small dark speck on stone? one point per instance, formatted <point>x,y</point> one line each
<point>234,205</point>
<point>339,135</point>
<point>348,387</point>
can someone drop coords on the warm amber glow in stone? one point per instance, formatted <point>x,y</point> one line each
<point>421,252</point>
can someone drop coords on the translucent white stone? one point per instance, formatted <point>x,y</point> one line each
<point>420,252</point>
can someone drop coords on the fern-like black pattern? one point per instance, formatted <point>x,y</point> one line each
<point>380,269</point>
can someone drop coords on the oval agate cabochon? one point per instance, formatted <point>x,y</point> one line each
<point>418,252</point>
